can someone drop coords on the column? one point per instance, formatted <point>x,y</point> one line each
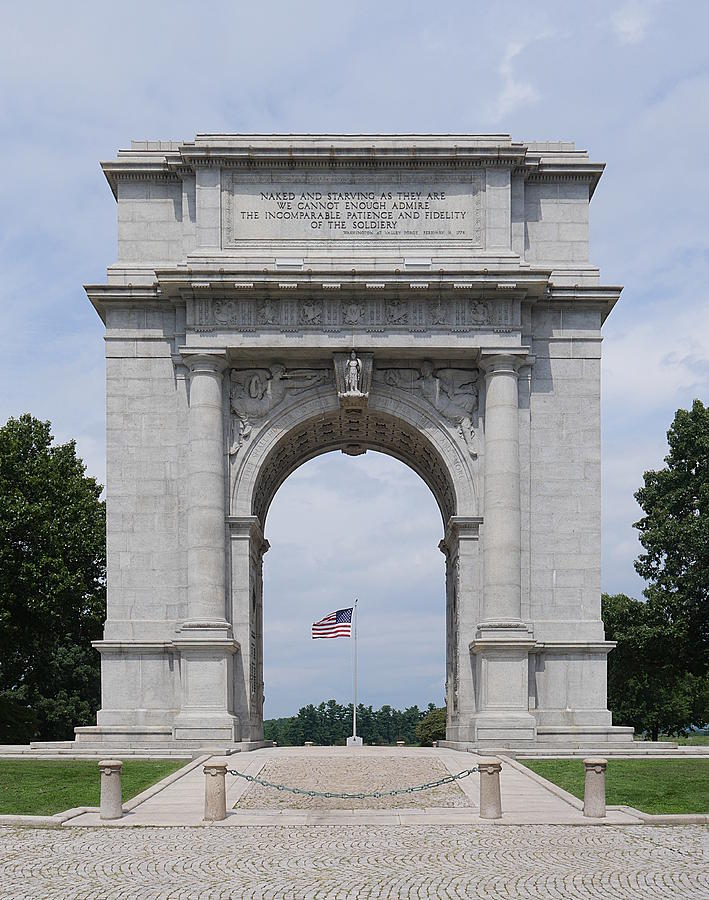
<point>502,549</point>
<point>502,640</point>
<point>205,639</point>
<point>206,584</point>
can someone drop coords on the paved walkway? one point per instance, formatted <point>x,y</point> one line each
<point>525,799</point>
<point>355,862</point>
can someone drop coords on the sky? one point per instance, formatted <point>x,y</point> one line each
<point>628,81</point>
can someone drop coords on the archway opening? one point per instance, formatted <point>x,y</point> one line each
<point>341,527</point>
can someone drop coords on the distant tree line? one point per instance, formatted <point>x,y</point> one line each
<point>330,723</point>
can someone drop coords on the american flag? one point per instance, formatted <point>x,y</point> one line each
<point>336,624</point>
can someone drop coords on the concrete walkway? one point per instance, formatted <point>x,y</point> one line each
<point>526,798</point>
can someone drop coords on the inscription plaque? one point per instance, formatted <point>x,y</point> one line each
<point>304,210</point>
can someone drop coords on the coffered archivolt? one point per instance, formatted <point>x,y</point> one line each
<point>391,423</point>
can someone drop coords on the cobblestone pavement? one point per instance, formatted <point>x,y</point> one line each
<point>354,773</point>
<point>356,862</point>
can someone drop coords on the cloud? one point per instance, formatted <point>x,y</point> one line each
<point>514,92</point>
<point>631,21</point>
<point>629,82</point>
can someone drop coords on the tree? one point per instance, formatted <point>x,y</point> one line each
<point>675,535</point>
<point>646,689</point>
<point>432,727</point>
<point>52,584</point>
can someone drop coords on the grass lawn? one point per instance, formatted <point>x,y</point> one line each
<point>651,785</point>
<point>44,787</point>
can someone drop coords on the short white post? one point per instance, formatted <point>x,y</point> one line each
<point>111,792</point>
<point>401,743</point>
<point>594,793</point>
<point>215,791</point>
<point>308,744</point>
<point>490,799</point>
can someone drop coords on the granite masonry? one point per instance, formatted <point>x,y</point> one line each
<point>456,267</point>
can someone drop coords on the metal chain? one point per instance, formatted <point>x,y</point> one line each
<point>359,795</point>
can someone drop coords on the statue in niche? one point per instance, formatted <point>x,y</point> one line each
<point>353,374</point>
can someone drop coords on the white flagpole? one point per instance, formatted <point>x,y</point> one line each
<point>354,679</point>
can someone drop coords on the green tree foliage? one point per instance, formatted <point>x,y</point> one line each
<point>432,727</point>
<point>646,688</point>
<point>52,584</point>
<point>331,723</point>
<point>675,535</point>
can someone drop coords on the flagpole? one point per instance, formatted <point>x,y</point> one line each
<point>354,679</point>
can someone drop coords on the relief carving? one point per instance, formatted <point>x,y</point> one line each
<point>352,313</point>
<point>311,312</point>
<point>253,393</point>
<point>459,314</point>
<point>397,312</point>
<point>438,314</point>
<point>269,312</point>
<point>451,391</point>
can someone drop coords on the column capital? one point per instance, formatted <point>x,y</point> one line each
<point>504,361</point>
<point>248,528</point>
<point>460,527</point>
<point>204,362</point>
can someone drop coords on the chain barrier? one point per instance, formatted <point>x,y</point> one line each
<point>359,795</point>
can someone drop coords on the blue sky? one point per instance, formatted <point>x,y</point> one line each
<point>629,81</point>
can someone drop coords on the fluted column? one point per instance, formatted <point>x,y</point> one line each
<point>205,493</point>
<point>502,549</point>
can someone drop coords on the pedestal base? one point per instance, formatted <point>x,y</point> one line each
<point>354,742</point>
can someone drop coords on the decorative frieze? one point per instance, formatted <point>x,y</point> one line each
<point>354,314</point>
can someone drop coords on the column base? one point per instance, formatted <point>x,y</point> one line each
<point>206,658</point>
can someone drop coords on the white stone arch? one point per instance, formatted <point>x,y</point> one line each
<point>394,422</point>
<point>425,442</point>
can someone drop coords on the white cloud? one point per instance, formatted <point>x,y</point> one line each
<point>514,92</point>
<point>631,21</point>
<point>77,83</point>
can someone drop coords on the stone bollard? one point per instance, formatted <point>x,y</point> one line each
<point>594,793</point>
<point>308,744</point>
<point>215,791</point>
<point>401,743</point>
<point>490,800</point>
<point>111,793</point>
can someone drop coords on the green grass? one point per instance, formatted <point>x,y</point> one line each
<point>45,787</point>
<point>651,785</point>
<point>691,740</point>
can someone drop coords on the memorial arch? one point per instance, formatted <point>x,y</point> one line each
<point>280,297</point>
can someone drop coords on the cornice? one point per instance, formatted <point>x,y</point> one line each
<point>501,284</point>
<point>376,151</point>
<point>605,296</point>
